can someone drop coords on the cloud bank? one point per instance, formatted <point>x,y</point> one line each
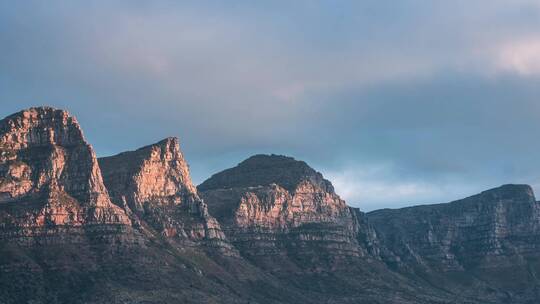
<point>397,103</point>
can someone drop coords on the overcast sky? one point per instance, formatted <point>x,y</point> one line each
<point>396,102</point>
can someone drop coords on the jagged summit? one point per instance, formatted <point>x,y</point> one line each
<point>156,170</point>
<point>505,193</point>
<point>153,184</point>
<point>263,170</point>
<point>508,192</point>
<point>168,142</point>
<point>270,230</point>
<point>49,174</point>
<point>58,137</point>
<point>269,205</point>
<point>40,126</point>
<point>43,110</point>
<point>494,228</point>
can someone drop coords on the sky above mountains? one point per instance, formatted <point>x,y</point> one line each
<point>396,102</point>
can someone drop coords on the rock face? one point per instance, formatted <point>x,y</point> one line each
<point>62,240</point>
<point>286,219</point>
<point>143,233</point>
<point>49,176</point>
<point>153,185</point>
<point>274,206</point>
<point>487,245</point>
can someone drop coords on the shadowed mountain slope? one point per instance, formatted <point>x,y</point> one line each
<point>132,228</point>
<point>62,240</point>
<point>285,218</point>
<point>486,245</point>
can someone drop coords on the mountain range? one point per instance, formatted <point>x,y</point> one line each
<point>133,228</point>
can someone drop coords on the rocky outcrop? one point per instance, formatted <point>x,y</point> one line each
<point>49,177</point>
<point>286,219</point>
<point>487,245</point>
<point>483,230</point>
<point>64,240</point>
<point>272,207</point>
<point>132,228</point>
<point>153,185</point>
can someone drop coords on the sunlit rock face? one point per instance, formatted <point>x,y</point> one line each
<point>142,234</point>
<point>486,244</point>
<point>156,173</point>
<point>154,186</point>
<point>49,176</point>
<point>132,228</point>
<point>277,208</point>
<point>62,240</point>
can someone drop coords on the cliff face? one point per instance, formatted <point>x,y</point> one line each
<point>287,220</point>
<point>62,240</point>
<point>57,223</point>
<point>49,176</point>
<point>273,207</point>
<point>153,185</point>
<point>495,227</point>
<point>143,233</point>
<point>284,217</point>
<point>487,244</point>
<point>156,173</point>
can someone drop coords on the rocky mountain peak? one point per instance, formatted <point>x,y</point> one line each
<point>508,192</point>
<point>40,126</point>
<point>171,141</point>
<point>264,170</point>
<point>49,174</point>
<point>156,172</point>
<point>494,228</point>
<point>275,205</point>
<point>153,184</point>
<point>283,234</point>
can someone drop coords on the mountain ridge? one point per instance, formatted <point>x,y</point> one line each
<point>132,228</point>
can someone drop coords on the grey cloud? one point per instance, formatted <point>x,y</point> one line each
<point>422,92</point>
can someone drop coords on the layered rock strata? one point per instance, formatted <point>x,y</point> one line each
<point>154,186</point>
<point>486,245</point>
<point>286,219</point>
<point>49,177</point>
<point>497,226</point>
<point>62,240</point>
<point>275,206</point>
<point>142,233</point>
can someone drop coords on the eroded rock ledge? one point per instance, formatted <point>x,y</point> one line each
<point>50,178</point>
<point>154,186</point>
<point>275,208</point>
